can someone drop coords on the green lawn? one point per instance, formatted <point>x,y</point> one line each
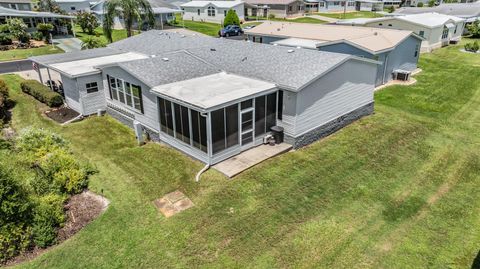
<point>116,34</point>
<point>206,28</point>
<point>18,54</point>
<point>299,20</point>
<point>397,189</point>
<point>352,15</point>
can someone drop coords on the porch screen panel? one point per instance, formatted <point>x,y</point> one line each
<point>199,131</point>
<point>218,130</point>
<point>231,116</point>
<point>271,110</point>
<point>166,119</point>
<point>182,129</point>
<point>259,115</point>
<point>185,125</point>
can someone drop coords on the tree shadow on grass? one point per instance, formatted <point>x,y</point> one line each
<point>476,262</point>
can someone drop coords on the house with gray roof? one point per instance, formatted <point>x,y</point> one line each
<point>17,4</point>
<point>32,18</point>
<point>214,98</point>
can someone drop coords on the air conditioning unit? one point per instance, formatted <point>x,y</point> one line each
<point>401,75</point>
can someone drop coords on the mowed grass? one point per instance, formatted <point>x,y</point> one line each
<point>352,15</point>
<point>117,34</point>
<point>18,54</point>
<point>397,189</point>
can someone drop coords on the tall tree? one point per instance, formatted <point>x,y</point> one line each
<point>130,10</point>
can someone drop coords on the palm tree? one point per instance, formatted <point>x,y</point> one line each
<point>92,42</point>
<point>130,10</point>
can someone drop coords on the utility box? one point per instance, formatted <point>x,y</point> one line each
<point>138,132</point>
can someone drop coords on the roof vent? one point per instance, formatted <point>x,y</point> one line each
<point>275,44</point>
<point>183,36</point>
<point>153,55</point>
<point>213,49</point>
<point>278,29</point>
<point>290,51</point>
<point>298,47</point>
<point>165,59</point>
<point>375,33</point>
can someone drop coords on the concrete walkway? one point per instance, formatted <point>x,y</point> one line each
<point>323,18</point>
<point>249,158</point>
<point>68,44</point>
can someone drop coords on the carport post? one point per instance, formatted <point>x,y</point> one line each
<point>50,78</point>
<point>161,20</point>
<point>39,74</point>
<point>73,27</point>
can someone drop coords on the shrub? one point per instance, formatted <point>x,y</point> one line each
<point>24,38</point>
<point>92,43</point>
<point>48,216</point>
<point>431,3</point>
<point>88,22</point>
<point>37,36</point>
<point>15,213</point>
<point>5,39</point>
<point>474,28</point>
<point>3,100</point>
<point>39,141</point>
<point>420,4</point>
<point>271,16</point>
<point>391,9</point>
<point>4,28</point>
<point>42,93</point>
<point>472,47</point>
<point>45,28</point>
<point>231,18</point>
<point>17,28</point>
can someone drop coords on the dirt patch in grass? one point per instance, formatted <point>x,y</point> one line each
<point>80,210</point>
<point>62,114</point>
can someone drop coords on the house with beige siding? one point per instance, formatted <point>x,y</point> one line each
<point>437,30</point>
<point>278,8</point>
<point>211,11</point>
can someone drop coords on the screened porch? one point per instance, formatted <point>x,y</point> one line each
<point>216,120</point>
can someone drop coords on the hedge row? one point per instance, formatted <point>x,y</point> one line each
<point>3,100</point>
<point>42,93</point>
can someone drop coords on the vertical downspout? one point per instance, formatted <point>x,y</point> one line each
<point>385,68</point>
<point>209,148</point>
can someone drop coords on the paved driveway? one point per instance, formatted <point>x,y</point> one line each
<point>68,44</point>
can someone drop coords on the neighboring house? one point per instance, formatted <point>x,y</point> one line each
<point>17,4</point>
<point>338,6</point>
<point>438,30</point>
<point>164,13</point>
<point>398,51</point>
<point>214,98</point>
<point>211,11</point>
<point>32,18</point>
<point>468,11</point>
<point>73,6</point>
<point>278,8</point>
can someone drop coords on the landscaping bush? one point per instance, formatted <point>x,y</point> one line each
<point>45,28</point>
<point>472,47</point>
<point>39,141</point>
<point>271,16</point>
<point>42,93</point>
<point>48,217</point>
<point>17,28</point>
<point>420,4</point>
<point>88,22</point>
<point>24,38</point>
<point>5,39</point>
<point>4,101</point>
<point>431,3</point>
<point>3,28</point>
<point>15,213</point>
<point>231,18</point>
<point>92,42</point>
<point>474,29</point>
<point>37,36</point>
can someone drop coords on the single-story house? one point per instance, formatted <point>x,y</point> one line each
<point>211,11</point>
<point>278,8</point>
<point>164,13</point>
<point>470,12</point>
<point>17,4</point>
<point>438,30</point>
<point>32,18</point>
<point>73,6</point>
<point>214,98</point>
<point>339,6</point>
<point>397,50</point>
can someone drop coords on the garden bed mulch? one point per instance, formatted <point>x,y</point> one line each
<point>62,114</point>
<point>80,210</point>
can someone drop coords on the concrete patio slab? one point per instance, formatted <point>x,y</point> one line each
<point>243,161</point>
<point>173,203</point>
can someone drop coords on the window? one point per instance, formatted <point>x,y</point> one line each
<point>390,25</point>
<point>166,118</point>
<point>211,11</point>
<point>321,4</point>
<point>198,12</point>
<point>421,33</point>
<point>224,13</point>
<point>336,3</point>
<point>380,24</point>
<point>455,31</point>
<point>280,105</point>
<point>72,8</point>
<point>91,87</point>
<point>126,93</point>
<point>445,33</point>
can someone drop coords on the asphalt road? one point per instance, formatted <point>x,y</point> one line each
<point>15,66</point>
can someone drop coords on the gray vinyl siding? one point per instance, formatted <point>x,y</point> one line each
<point>91,102</point>
<point>72,96</point>
<point>193,152</point>
<point>289,112</point>
<point>346,88</point>
<point>150,116</point>
<point>403,54</point>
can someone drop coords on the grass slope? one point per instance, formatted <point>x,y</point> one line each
<point>398,189</point>
<point>18,54</point>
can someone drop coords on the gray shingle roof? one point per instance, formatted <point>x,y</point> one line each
<point>261,61</point>
<point>179,66</point>
<point>74,56</point>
